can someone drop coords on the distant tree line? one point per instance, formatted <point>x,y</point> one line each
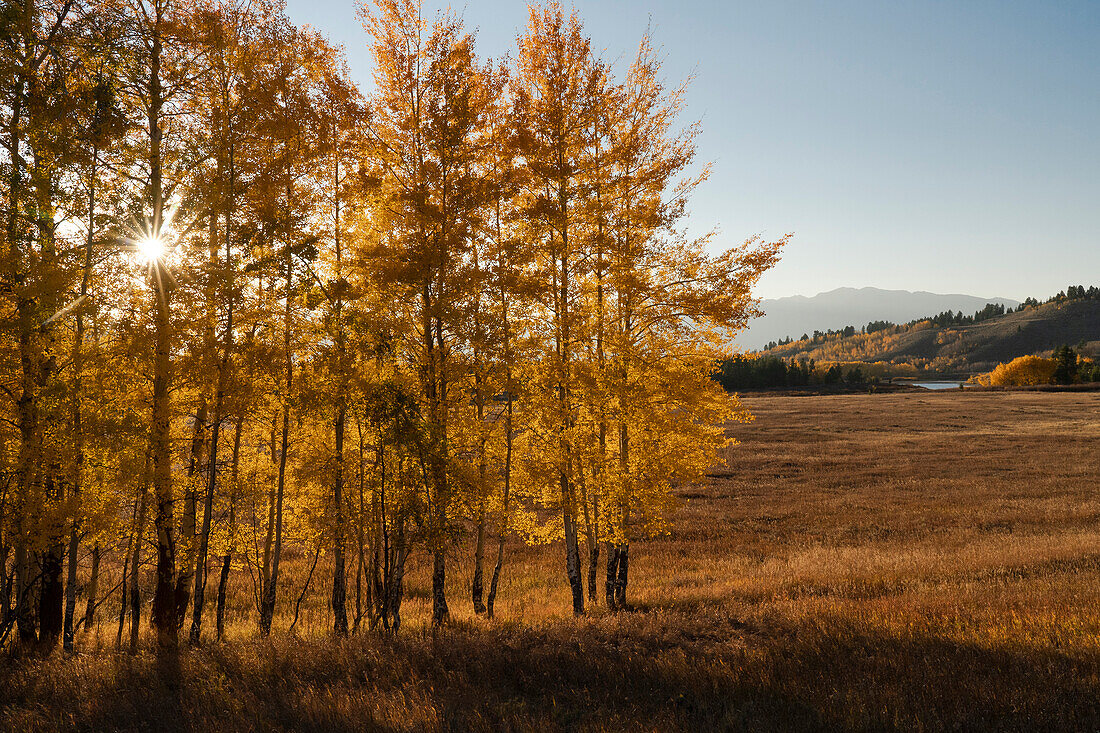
<point>1073,292</point>
<point>746,372</point>
<point>768,371</point>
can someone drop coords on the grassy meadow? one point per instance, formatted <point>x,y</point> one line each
<point>910,561</point>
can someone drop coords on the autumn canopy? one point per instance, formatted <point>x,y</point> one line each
<point>248,313</point>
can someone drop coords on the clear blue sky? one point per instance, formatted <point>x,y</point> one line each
<point>947,146</point>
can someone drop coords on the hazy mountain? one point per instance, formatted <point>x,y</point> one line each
<point>797,314</point>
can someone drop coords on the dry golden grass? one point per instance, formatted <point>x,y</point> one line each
<point>907,561</point>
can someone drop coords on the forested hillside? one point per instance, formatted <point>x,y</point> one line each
<point>838,308</point>
<point>958,343</point>
<point>250,314</point>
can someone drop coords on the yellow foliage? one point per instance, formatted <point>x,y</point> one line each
<point>1020,372</point>
<point>877,369</point>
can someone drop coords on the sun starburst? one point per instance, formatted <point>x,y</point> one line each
<point>150,249</point>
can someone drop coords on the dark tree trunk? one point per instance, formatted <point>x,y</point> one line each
<point>477,591</point>
<point>601,361</point>
<point>380,554</point>
<point>593,572</point>
<point>267,601</point>
<point>390,577</point>
<point>26,404</point>
<point>25,586</point>
<point>269,535</point>
<point>164,599</point>
<point>70,586</point>
<point>223,581</point>
<point>436,399</point>
<point>440,614</point>
<point>51,594</point>
<point>358,588</point>
<point>93,589</point>
<point>305,589</point>
<point>5,583</point>
<point>360,567</point>
<point>568,494</point>
<point>510,390</point>
<point>477,586</point>
<point>494,583</point>
<point>339,573</point>
<point>51,598</point>
<point>212,468</point>
<point>612,574</point>
<point>572,555</point>
<point>123,599</point>
<point>623,564</point>
<point>212,462</point>
<point>199,591</point>
<point>397,582</point>
<point>135,567</point>
<point>188,546</point>
<point>618,564</point>
<point>591,536</point>
<point>227,559</point>
<point>620,581</point>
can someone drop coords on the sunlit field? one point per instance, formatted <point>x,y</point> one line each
<point>908,561</point>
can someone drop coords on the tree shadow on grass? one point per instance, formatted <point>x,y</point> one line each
<point>662,671</point>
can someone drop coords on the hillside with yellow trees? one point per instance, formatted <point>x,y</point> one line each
<point>937,345</point>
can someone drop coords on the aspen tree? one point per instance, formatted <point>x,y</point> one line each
<point>101,125</point>
<point>35,62</point>
<point>157,33</point>
<point>673,307</point>
<point>295,126</point>
<point>487,325</point>
<point>559,83</point>
<point>235,39</point>
<point>431,103</point>
<point>341,111</point>
<point>511,290</point>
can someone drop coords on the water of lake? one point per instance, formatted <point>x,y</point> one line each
<point>939,385</point>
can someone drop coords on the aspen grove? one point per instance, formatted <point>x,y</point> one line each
<point>249,309</point>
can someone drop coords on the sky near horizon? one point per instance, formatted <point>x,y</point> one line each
<point>949,146</point>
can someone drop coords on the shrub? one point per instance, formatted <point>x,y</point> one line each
<point>1020,372</point>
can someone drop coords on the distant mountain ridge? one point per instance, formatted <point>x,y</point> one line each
<point>797,314</point>
<point>967,347</point>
